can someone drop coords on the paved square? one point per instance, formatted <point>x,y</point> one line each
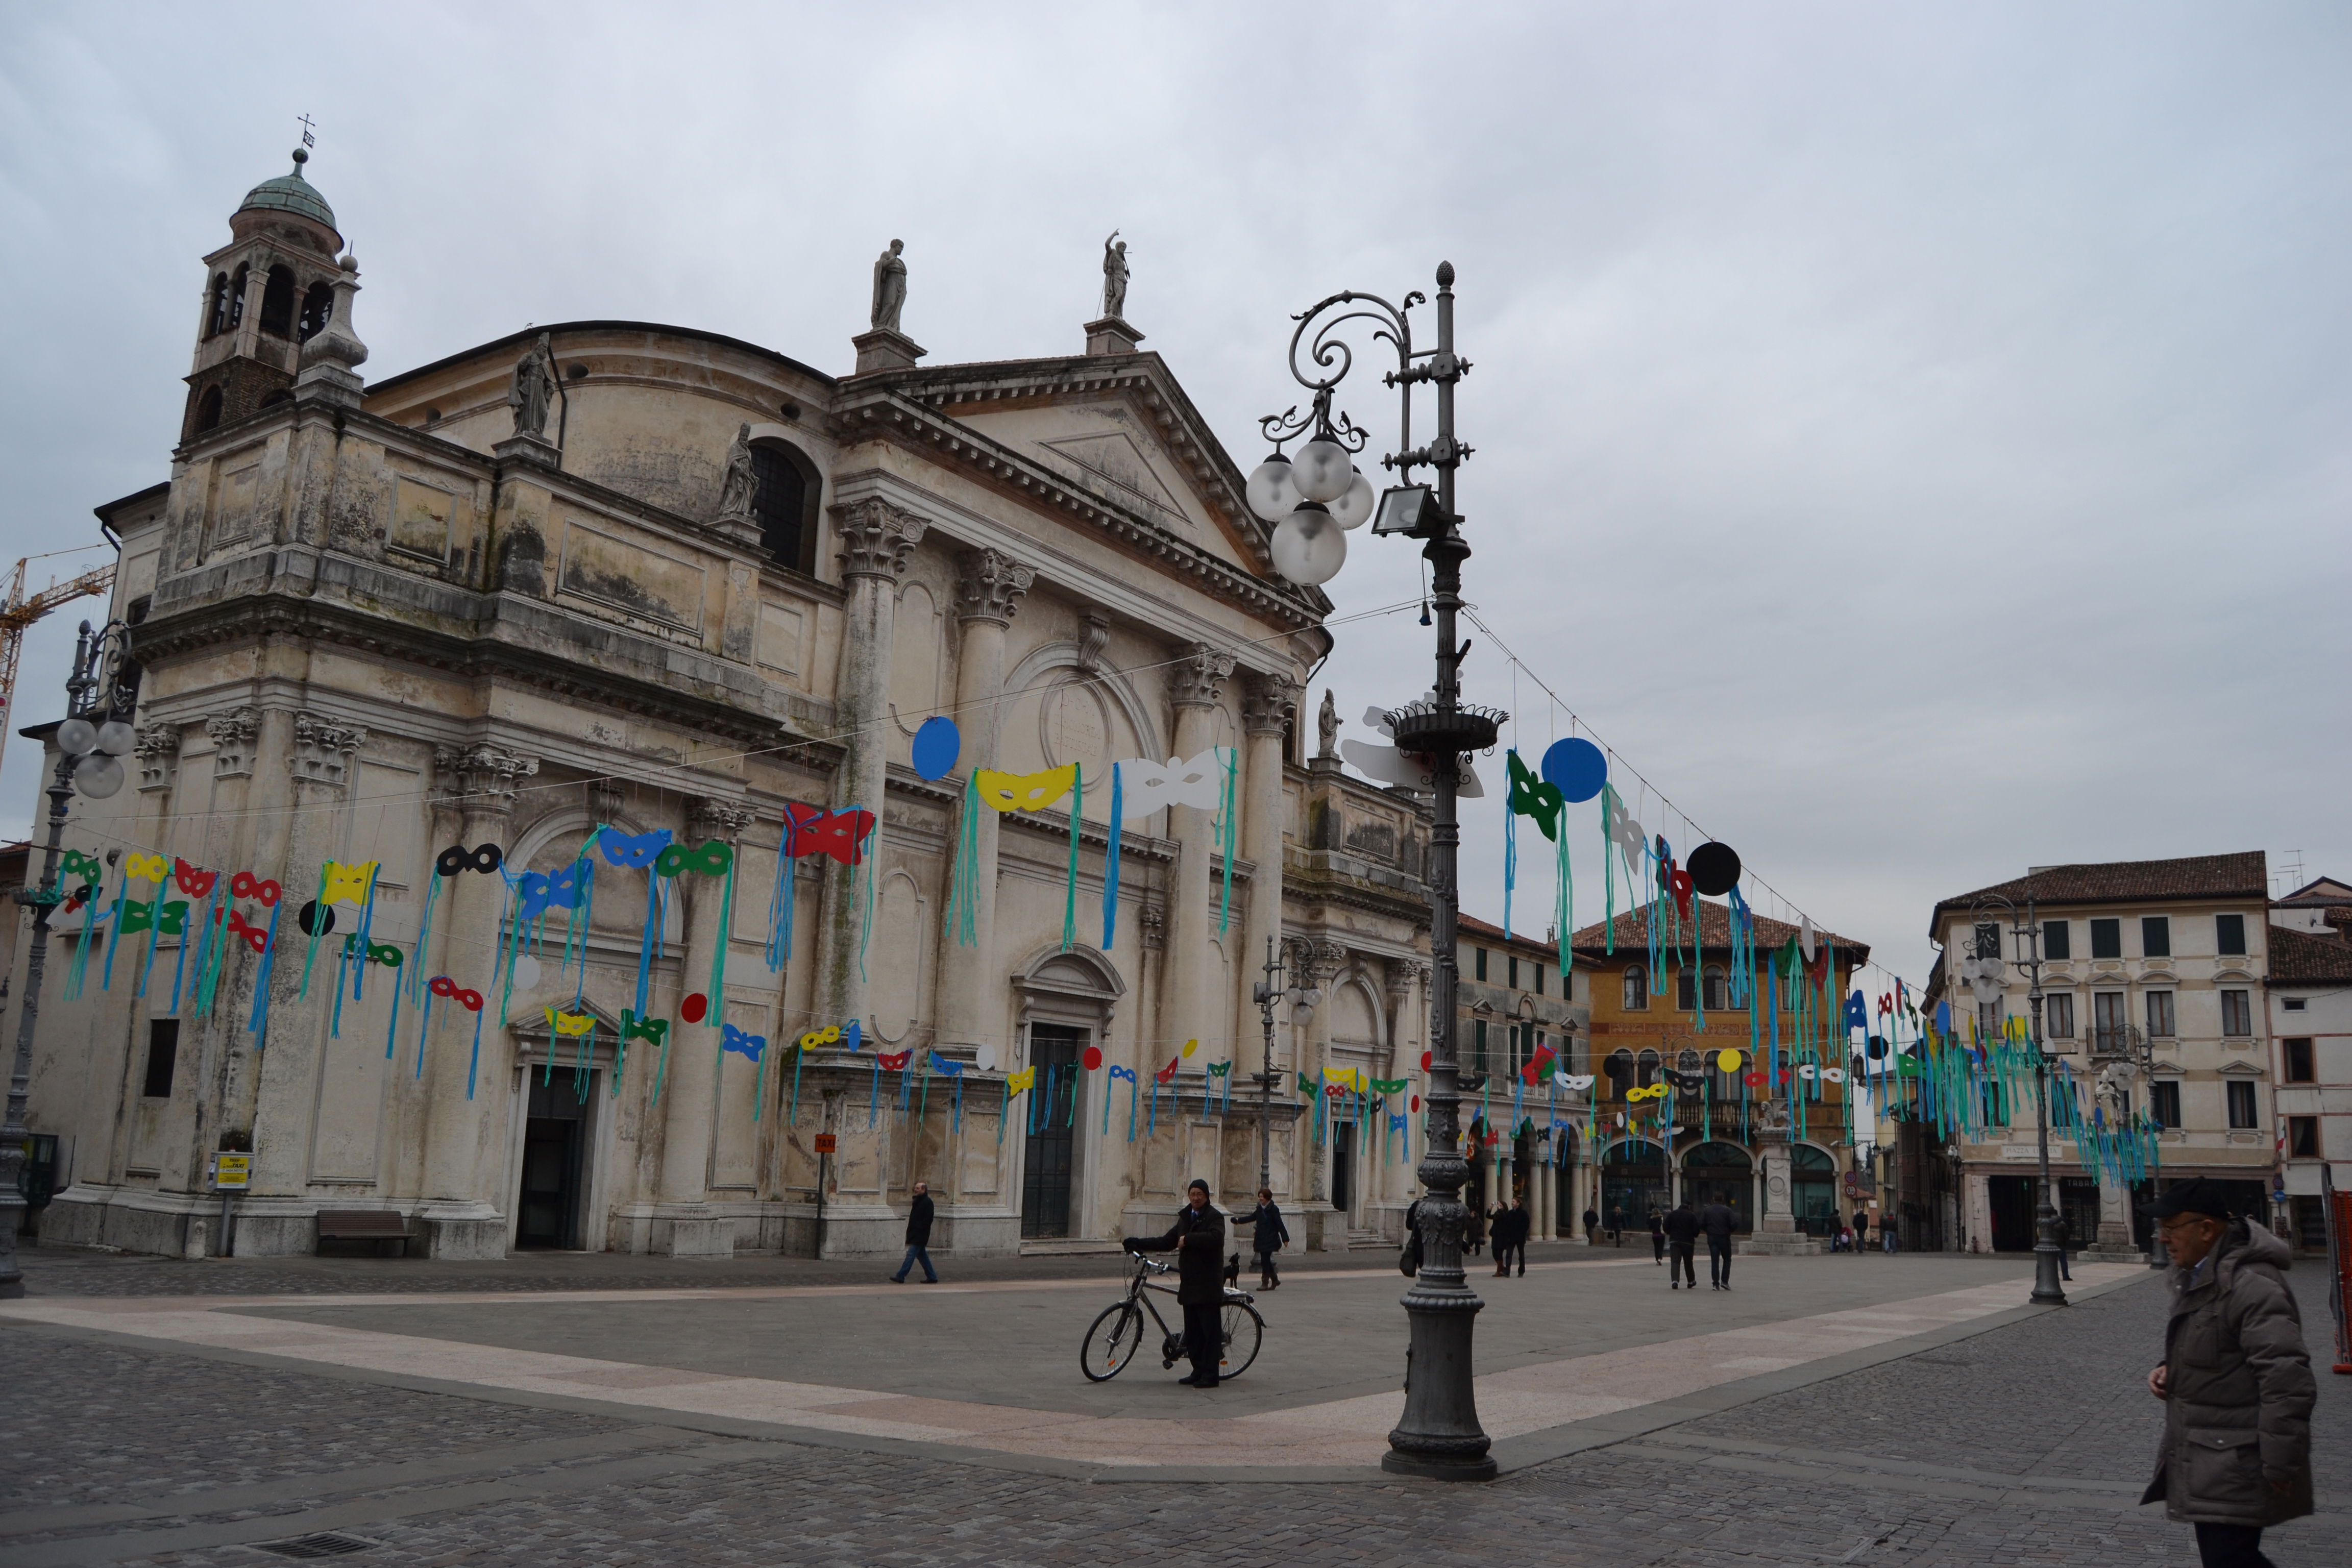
<point>1869,1410</point>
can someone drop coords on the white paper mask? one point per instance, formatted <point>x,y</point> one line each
<point>1146,787</point>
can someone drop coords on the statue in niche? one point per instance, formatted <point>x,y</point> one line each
<point>1326,725</point>
<point>889,287</point>
<point>1115,277</point>
<point>736,489</point>
<point>533,390</point>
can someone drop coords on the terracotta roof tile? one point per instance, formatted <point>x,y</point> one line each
<point>2308,958</point>
<point>1473,926</point>
<point>2127,881</point>
<point>1715,930</point>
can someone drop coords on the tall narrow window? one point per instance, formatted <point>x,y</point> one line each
<point>2302,1136</point>
<point>2109,1024</point>
<point>237,297</point>
<point>2156,936</point>
<point>1478,962</point>
<point>1479,1045</point>
<point>1514,968</point>
<point>2106,939</point>
<point>277,302</point>
<point>784,490</point>
<point>2298,1061</point>
<point>216,307</point>
<point>2237,1016</point>
<point>1540,979</point>
<point>318,310</point>
<point>2241,1103</point>
<point>1637,989</point>
<point>2164,1102</point>
<point>2160,1015</point>
<point>1686,990</point>
<point>2056,941</point>
<point>163,1055</point>
<point>1713,991</point>
<point>2058,1015</point>
<point>2229,935</point>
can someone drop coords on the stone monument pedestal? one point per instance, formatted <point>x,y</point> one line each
<point>884,348</point>
<point>1111,335</point>
<point>524,448</point>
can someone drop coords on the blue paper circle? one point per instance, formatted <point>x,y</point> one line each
<point>1576,768</point>
<point>937,746</point>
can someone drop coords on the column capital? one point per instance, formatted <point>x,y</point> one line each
<point>876,538</point>
<point>159,755</point>
<point>721,819</point>
<point>481,779</point>
<point>232,736</point>
<point>989,585</point>
<point>1268,701</point>
<point>1197,677</point>
<point>323,749</point>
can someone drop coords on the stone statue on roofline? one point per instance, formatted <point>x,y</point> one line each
<point>1115,277</point>
<point>736,489</point>
<point>534,389</point>
<point>889,287</point>
<point>1326,725</point>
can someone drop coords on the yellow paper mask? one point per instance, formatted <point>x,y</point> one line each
<point>1025,791</point>
<point>347,884</point>
<point>146,868</point>
<point>570,1023</point>
<point>1015,1083</point>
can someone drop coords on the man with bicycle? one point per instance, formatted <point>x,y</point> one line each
<point>1198,1239</point>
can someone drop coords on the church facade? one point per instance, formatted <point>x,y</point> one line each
<point>601,580</point>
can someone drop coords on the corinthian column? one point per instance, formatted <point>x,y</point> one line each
<point>1267,703</point>
<point>465,1139</point>
<point>690,1097</point>
<point>1196,683</point>
<point>876,538</point>
<point>988,591</point>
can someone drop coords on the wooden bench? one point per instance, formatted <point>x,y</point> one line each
<point>363,1225</point>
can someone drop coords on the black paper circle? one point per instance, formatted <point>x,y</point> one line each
<point>1877,1047</point>
<point>316,920</point>
<point>1714,869</point>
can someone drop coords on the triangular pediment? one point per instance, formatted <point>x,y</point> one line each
<point>1113,457</point>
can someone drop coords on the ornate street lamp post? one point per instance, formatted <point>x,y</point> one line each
<point>1990,976</point>
<point>94,736</point>
<point>1269,991</point>
<point>1312,500</point>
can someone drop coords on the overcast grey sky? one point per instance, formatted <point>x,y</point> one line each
<point>1914,436</point>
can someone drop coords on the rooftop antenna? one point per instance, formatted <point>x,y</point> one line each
<point>2290,870</point>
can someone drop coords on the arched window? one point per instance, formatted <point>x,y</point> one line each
<point>277,303</point>
<point>318,310</point>
<point>1637,989</point>
<point>217,307</point>
<point>1686,990</point>
<point>1714,993</point>
<point>1646,1064</point>
<point>209,410</point>
<point>783,498</point>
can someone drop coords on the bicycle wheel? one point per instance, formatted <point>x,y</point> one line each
<point>1242,1330</point>
<point>1111,1342</point>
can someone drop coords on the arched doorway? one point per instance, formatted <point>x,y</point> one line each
<point>1813,1189</point>
<point>1633,1183</point>
<point>1721,1173</point>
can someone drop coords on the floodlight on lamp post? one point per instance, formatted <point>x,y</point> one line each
<point>1313,497</point>
<point>94,736</point>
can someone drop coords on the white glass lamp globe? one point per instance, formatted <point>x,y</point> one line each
<point>77,737</point>
<point>1354,509</point>
<point>116,738</point>
<point>1324,470</point>
<point>98,776</point>
<point>1271,490</point>
<point>1308,547</point>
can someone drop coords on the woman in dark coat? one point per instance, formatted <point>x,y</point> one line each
<point>1198,1239</point>
<point>1270,1237</point>
<point>1474,1231</point>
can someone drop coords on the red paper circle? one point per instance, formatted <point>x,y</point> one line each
<point>1425,1061</point>
<point>1416,1102</point>
<point>694,1008</point>
<point>1093,1058</point>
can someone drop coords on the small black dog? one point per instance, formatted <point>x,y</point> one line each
<point>1234,1272</point>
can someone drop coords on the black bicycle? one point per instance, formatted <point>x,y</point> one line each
<point>1114,1338</point>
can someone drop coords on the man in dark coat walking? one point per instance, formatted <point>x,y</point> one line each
<point>1591,1227</point>
<point>1198,1239</point>
<point>919,1238</point>
<point>1270,1237</point>
<point>1717,1222</point>
<point>2235,1381</point>
<point>1682,1245</point>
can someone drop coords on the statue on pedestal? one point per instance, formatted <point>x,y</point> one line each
<point>889,287</point>
<point>736,489</point>
<point>533,390</point>
<point>1115,277</point>
<point>1326,725</point>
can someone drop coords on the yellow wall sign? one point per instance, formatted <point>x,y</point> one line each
<point>232,1170</point>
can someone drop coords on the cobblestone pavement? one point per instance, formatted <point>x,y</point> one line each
<point>2026,1444</point>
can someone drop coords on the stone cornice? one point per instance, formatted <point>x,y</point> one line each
<point>886,414</point>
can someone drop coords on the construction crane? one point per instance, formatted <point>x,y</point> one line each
<point>20,613</point>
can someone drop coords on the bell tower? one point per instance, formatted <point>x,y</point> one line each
<point>265,293</point>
